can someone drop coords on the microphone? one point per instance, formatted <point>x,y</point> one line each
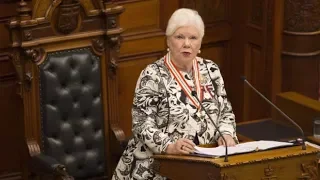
<point>194,93</point>
<point>279,110</point>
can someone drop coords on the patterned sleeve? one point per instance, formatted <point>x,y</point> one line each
<point>144,111</point>
<point>226,122</point>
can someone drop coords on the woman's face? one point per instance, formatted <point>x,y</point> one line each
<point>184,45</point>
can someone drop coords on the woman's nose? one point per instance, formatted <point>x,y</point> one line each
<point>187,43</point>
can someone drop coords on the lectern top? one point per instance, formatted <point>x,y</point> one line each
<point>248,158</point>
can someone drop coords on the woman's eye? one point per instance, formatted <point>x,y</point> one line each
<point>193,37</point>
<point>179,37</point>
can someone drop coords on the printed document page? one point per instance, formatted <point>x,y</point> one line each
<point>241,148</point>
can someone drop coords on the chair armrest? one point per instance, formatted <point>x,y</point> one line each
<point>120,135</point>
<point>41,164</point>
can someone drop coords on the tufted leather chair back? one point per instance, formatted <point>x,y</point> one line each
<point>72,112</point>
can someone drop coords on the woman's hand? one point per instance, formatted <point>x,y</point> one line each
<point>182,146</point>
<point>229,139</point>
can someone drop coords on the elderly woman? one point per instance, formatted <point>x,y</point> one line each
<point>166,116</point>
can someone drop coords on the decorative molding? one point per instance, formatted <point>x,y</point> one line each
<point>35,54</point>
<point>302,15</point>
<point>33,147</point>
<point>28,81</point>
<point>225,176</point>
<point>309,171</point>
<point>231,164</point>
<point>288,53</point>
<point>15,59</point>
<point>112,22</point>
<point>24,11</point>
<point>257,11</point>
<point>59,38</point>
<point>269,174</point>
<point>302,33</point>
<point>115,42</point>
<point>98,45</point>
<point>68,16</point>
<point>28,35</point>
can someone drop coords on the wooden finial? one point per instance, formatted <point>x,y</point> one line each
<point>23,10</point>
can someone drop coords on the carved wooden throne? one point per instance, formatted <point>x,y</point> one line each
<point>65,53</point>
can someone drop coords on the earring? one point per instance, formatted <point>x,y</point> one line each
<point>168,49</point>
<point>199,51</point>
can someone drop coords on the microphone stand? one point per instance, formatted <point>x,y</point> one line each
<point>194,93</point>
<point>279,110</point>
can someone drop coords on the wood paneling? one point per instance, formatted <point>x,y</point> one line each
<point>256,67</point>
<point>140,16</point>
<point>301,75</point>
<point>259,59</point>
<point>11,128</point>
<point>144,45</point>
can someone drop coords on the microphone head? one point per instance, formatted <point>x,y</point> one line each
<point>193,93</point>
<point>243,78</point>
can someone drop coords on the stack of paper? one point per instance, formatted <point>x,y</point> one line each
<point>241,148</point>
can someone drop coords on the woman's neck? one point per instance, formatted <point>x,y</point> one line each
<point>183,67</point>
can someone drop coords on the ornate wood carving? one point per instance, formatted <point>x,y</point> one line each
<point>257,10</point>
<point>35,54</point>
<point>15,59</point>
<point>68,16</point>
<point>269,174</point>
<point>23,10</point>
<point>309,171</point>
<point>98,46</point>
<point>28,81</point>
<point>302,15</point>
<point>112,22</point>
<point>33,147</point>
<point>210,10</point>
<point>228,177</point>
<point>114,42</point>
<point>28,35</point>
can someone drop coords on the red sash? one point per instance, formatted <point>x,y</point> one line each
<point>182,82</point>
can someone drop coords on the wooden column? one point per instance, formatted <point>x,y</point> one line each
<point>301,47</point>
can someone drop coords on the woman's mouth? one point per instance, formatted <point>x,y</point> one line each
<point>186,54</point>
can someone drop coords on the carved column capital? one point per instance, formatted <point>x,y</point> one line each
<point>36,54</point>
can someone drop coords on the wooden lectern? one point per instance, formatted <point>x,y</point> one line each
<point>288,163</point>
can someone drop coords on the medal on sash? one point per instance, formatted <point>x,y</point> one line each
<point>201,114</point>
<point>184,85</point>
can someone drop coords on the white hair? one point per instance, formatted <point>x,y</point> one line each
<point>185,17</point>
